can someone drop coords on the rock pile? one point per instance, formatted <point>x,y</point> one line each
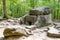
<point>39,16</point>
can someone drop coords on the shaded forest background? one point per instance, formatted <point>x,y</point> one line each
<point>18,8</point>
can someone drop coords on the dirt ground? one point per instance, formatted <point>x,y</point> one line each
<point>38,33</point>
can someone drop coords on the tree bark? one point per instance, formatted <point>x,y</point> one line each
<point>4,9</point>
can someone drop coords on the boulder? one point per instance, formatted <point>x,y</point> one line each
<point>40,11</point>
<point>52,32</point>
<point>28,20</point>
<point>21,20</point>
<point>46,19</point>
<point>14,32</point>
<point>43,20</point>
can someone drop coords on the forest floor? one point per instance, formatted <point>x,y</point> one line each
<point>38,33</point>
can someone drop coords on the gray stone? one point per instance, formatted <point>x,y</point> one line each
<point>57,25</point>
<point>52,32</point>
<point>30,20</point>
<point>43,20</point>
<point>36,20</point>
<point>22,19</point>
<point>39,17</point>
<point>40,11</point>
<point>8,32</point>
<point>47,18</point>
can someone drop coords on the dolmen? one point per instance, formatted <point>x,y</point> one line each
<point>37,17</point>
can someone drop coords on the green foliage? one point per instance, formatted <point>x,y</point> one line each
<point>18,8</point>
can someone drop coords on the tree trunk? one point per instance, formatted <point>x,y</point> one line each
<point>54,9</point>
<point>4,9</point>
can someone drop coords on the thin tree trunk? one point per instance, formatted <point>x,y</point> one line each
<point>10,10</point>
<point>4,9</point>
<point>58,11</point>
<point>54,9</point>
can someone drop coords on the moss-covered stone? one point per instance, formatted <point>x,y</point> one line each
<point>40,11</point>
<point>30,20</point>
<point>14,32</point>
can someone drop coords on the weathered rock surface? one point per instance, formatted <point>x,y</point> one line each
<point>30,20</point>
<point>57,25</point>
<point>38,34</point>
<point>13,21</point>
<point>52,32</point>
<point>39,17</point>
<point>40,11</point>
<point>14,32</point>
